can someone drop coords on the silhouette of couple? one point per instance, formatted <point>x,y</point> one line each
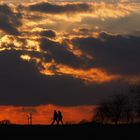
<point>57,117</point>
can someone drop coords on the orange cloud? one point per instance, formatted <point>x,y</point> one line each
<point>9,42</point>
<point>90,75</point>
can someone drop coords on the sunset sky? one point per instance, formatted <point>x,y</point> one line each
<point>67,55</point>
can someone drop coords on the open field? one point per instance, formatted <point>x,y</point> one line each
<point>87,131</point>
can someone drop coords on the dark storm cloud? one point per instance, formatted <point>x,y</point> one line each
<point>62,55</point>
<point>48,33</point>
<point>22,84</point>
<point>115,53</point>
<point>9,20</point>
<point>60,9</point>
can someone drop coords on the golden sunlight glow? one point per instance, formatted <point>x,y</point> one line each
<point>25,57</point>
<point>28,43</point>
<point>90,76</point>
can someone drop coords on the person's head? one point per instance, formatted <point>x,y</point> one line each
<point>30,114</point>
<point>59,111</point>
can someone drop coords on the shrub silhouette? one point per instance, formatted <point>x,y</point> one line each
<point>116,110</point>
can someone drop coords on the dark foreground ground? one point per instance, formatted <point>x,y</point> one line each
<point>83,131</point>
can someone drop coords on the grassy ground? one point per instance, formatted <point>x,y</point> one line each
<point>86,131</point>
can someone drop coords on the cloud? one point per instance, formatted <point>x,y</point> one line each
<point>52,8</point>
<point>23,85</point>
<point>48,33</point>
<point>114,53</point>
<point>76,58</point>
<point>10,20</point>
<point>60,53</point>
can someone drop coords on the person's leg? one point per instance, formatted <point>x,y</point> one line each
<point>58,121</point>
<point>53,122</point>
<point>61,121</point>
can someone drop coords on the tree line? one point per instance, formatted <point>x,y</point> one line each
<point>120,108</point>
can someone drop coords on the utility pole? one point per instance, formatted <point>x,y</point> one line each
<point>30,119</point>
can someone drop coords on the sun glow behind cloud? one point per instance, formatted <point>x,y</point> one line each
<point>52,68</point>
<point>89,76</point>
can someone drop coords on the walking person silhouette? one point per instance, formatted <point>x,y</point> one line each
<point>60,118</point>
<point>55,117</point>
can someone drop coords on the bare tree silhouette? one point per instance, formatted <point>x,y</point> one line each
<point>116,110</point>
<point>135,91</point>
